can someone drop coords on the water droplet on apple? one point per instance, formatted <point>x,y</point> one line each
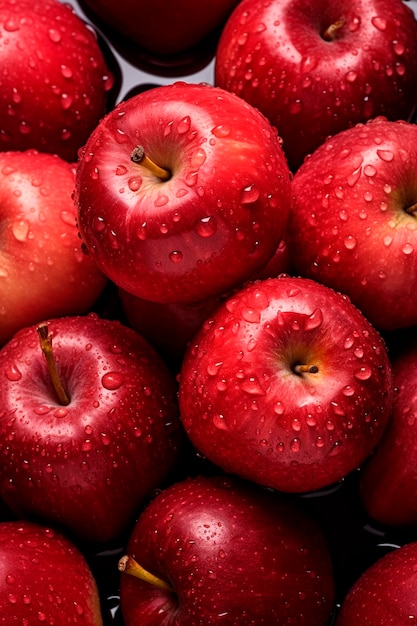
<point>13,373</point>
<point>175,256</point>
<point>112,380</point>
<point>379,22</point>
<point>11,25</point>
<point>295,445</point>
<point>220,131</point>
<point>66,101</point>
<point>363,373</point>
<point>252,386</point>
<point>198,158</point>
<point>408,249</point>
<point>134,183</point>
<point>350,242</point>
<point>24,128</point>
<point>279,408</point>
<point>220,422</point>
<point>183,125</point>
<point>249,194</point>
<point>314,320</point>
<point>206,226</point>
<point>54,35</point>
<point>251,315</point>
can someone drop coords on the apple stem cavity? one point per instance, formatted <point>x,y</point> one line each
<point>45,339</point>
<point>128,565</point>
<point>139,156</point>
<point>331,31</point>
<point>305,369</point>
<point>412,209</point>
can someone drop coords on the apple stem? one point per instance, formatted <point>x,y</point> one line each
<point>139,156</point>
<point>45,339</point>
<point>332,30</point>
<point>306,369</point>
<point>412,210</point>
<point>128,565</point>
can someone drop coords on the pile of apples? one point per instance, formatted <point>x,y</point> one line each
<point>208,312</point>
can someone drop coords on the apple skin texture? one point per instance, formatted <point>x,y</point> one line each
<point>45,578</point>
<point>246,409</point>
<point>275,56</point>
<point>388,485</point>
<point>352,225</point>
<point>56,86</point>
<point>385,594</point>
<point>219,218</point>
<point>43,269</point>
<point>234,554</point>
<point>87,466</point>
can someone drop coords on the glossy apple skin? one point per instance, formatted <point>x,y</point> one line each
<point>246,409</point>
<point>351,198</point>
<point>44,271</point>
<point>45,578</point>
<point>385,594</point>
<point>388,485</point>
<point>160,27</point>
<point>57,82</point>
<point>214,223</point>
<point>274,55</point>
<point>87,466</point>
<point>170,327</point>
<point>233,553</point>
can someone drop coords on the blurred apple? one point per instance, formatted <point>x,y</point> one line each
<point>43,269</point>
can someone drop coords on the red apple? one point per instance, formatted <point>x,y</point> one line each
<point>170,327</point>
<point>86,450</point>
<point>165,29</point>
<point>317,67</point>
<point>45,578</point>
<point>353,222</point>
<point>287,384</point>
<point>43,270</point>
<point>54,82</point>
<point>385,594</point>
<point>223,551</point>
<point>389,479</point>
<point>183,191</point>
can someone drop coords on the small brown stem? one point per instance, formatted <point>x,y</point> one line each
<point>128,565</point>
<point>139,156</point>
<point>332,30</point>
<point>45,339</point>
<point>412,210</point>
<point>306,369</point>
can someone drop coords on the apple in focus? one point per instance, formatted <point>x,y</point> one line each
<point>45,578</point>
<point>43,269</point>
<point>182,192</point>
<point>85,446</point>
<point>353,223</point>
<point>287,384</point>
<point>216,550</point>
<point>317,67</point>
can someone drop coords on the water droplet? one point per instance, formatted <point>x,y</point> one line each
<point>220,422</point>
<point>112,380</point>
<point>353,178</point>
<point>408,248</point>
<point>161,200</point>
<point>66,71</point>
<point>222,130</point>
<point>251,315</point>
<point>363,373</point>
<point>379,22</point>
<point>252,386</point>
<point>314,320</point>
<point>54,35</point>
<point>13,373</point>
<point>176,256</point>
<point>350,242</point>
<point>198,158</point>
<point>351,76</point>
<point>295,445</point>
<point>206,226</point>
<point>249,194</point>
<point>399,48</point>
<point>183,125</point>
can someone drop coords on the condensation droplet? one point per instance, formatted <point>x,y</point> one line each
<point>112,380</point>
